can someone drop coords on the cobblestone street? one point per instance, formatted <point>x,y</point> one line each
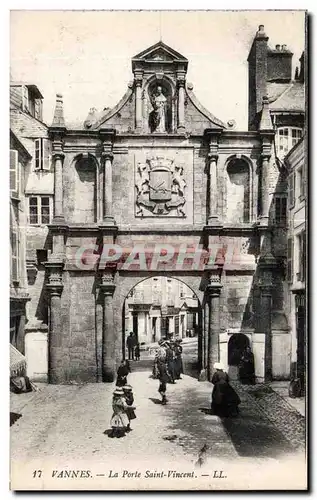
<point>66,426</point>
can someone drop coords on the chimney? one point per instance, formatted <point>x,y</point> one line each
<point>257,61</point>
<point>279,64</point>
<point>58,120</point>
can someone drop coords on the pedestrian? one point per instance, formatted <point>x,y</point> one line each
<point>119,420</point>
<point>246,367</point>
<point>122,373</point>
<point>129,399</point>
<point>224,399</point>
<point>170,362</point>
<point>131,345</point>
<point>178,359</point>
<point>162,369</point>
<point>137,352</point>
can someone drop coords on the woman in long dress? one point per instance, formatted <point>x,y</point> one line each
<point>224,399</point>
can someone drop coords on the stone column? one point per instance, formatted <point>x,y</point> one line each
<point>213,190</point>
<point>265,194</point>
<point>108,335</point>
<point>138,102</point>
<point>107,188</point>
<point>181,104</point>
<point>55,288</point>
<point>266,326</point>
<point>58,186</point>
<point>214,330</point>
<point>206,333</point>
<point>213,291</point>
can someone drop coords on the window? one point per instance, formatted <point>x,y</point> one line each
<point>291,188</point>
<point>287,137</point>
<point>280,210</point>
<point>42,154</point>
<point>14,242</point>
<point>38,109</point>
<point>301,245</point>
<point>14,173</point>
<point>25,98</point>
<point>290,260</point>
<point>300,183</point>
<point>40,210</point>
<point>14,254</point>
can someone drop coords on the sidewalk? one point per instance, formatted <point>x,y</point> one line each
<point>281,388</point>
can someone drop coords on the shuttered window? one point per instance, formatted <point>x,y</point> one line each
<point>301,238</point>
<point>14,173</point>
<point>42,154</point>
<point>291,188</point>
<point>290,260</point>
<point>14,255</point>
<point>25,98</point>
<point>14,241</point>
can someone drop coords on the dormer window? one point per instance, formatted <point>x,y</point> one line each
<point>287,137</point>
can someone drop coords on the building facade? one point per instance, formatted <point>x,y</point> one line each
<point>154,175</point>
<point>38,190</point>
<point>296,258</point>
<point>19,297</point>
<point>160,306</point>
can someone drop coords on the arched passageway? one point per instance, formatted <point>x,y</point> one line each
<point>157,308</point>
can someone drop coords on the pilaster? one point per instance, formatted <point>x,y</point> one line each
<point>55,288</point>
<point>138,81</point>
<point>107,288</point>
<point>181,101</point>
<point>107,137</point>
<point>212,178</point>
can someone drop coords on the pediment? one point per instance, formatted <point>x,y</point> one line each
<point>159,52</point>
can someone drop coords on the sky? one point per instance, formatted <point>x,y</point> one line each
<point>86,55</point>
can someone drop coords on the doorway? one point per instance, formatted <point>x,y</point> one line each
<point>236,346</point>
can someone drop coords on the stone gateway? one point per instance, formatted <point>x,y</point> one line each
<point>159,169</point>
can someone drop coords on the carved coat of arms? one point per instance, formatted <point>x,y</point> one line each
<point>160,188</point>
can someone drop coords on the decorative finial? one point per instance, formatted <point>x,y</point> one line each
<point>58,120</point>
<point>266,121</point>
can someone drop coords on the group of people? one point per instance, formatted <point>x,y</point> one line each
<point>168,367</point>
<point>168,364</point>
<point>122,403</point>
<point>133,347</point>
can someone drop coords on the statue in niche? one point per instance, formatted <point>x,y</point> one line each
<point>157,117</point>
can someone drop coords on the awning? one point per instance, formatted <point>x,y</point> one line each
<point>17,362</point>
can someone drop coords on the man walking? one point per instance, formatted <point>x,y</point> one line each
<point>130,345</point>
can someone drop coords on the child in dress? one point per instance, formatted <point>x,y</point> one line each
<point>137,352</point>
<point>119,421</point>
<point>129,399</point>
